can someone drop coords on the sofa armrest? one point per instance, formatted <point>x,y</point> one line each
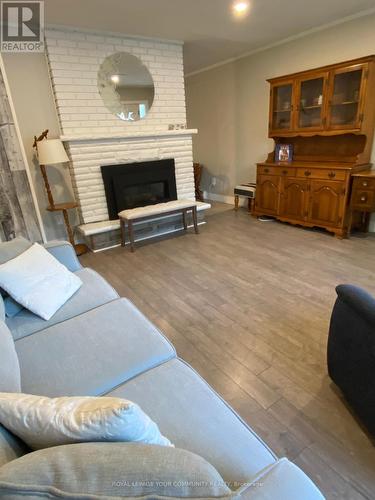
<point>281,480</point>
<point>359,300</point>
<point>351,350</point>
<point>64,252</point>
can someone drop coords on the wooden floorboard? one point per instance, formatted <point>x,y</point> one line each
<point>248,304</point>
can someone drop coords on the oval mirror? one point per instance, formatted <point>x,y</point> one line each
<point>126,86</point>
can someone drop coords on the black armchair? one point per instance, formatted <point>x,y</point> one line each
<point>351,350</point>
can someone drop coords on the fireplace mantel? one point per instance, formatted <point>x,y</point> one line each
<point>143,135</point>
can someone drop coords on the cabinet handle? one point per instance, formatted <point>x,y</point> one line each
<point>364,183</point>
<point>285,172</point>
<point>363,198</point>
<point>332,175</point>
<point>266,170</point>
<point>307,173</point>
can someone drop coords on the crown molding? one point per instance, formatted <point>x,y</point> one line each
<point>284,41</point>
<point>91,31</point>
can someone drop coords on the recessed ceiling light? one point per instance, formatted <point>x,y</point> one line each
<point>240,8</point>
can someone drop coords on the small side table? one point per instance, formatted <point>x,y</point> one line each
<point>362,198</point>
<point>64,207</point>
<point>247,191</point>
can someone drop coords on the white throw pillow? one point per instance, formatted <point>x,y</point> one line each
<point>36,280</point>
<point>43,422</point>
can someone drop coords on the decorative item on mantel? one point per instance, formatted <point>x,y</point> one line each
<point>52,152</point>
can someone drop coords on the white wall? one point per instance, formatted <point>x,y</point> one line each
<point>35,111</point>
<point>229,104</point>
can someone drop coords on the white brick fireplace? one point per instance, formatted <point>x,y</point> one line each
<point>89,154</point>
<point>95,137</point>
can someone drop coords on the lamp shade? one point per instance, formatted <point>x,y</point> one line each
<point>51,151</point>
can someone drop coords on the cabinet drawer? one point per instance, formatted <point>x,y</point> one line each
<point>322,173</point>
<point>279,170</point>
<point>363,199</point>
<point>364,183</point>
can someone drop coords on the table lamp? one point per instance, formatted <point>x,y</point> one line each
<point>52,152</point>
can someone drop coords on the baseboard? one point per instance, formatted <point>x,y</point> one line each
<point>229,200</point>
<point>224,198</point>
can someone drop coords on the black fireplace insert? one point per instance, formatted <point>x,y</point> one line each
<point>132,185</point>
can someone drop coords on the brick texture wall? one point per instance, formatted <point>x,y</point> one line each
<point>88,156</point>
<point>74,59</point>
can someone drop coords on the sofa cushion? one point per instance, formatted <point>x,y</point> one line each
<point>10,447</point>
<point>115,470</point>
<point>64,252</point>
<point>94,292</point>
<point>92,353</point>
<point>195,418</point>
<point>11,249</point>
<point>2,309</point>
<point>282,481</point>
<point>9,365</point>
<point>11,307</point>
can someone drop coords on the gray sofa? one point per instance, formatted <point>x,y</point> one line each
<point>101,344</point>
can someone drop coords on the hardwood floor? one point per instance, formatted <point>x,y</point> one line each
<point>248,304</point>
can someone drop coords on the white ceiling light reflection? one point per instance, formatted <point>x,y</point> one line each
<point>240,9</point>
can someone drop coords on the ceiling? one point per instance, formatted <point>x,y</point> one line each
<point>210,31</point>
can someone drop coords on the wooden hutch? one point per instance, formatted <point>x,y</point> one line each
<point>328,116</point>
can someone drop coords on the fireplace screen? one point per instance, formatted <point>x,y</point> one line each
<point>141,195</point>
<point>135,185</point>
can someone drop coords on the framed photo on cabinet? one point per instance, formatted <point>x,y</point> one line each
<point>283,153</point>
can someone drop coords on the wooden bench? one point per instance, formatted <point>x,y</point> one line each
<point>132,215</point>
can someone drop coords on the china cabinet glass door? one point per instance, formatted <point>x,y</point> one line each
<point>311,102</point>
<point>282,107</point>
<point>345,101</point>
